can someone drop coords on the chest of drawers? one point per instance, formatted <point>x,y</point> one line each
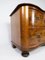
<point>27,27</point>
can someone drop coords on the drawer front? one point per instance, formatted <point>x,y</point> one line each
<point>36,17</point>
<point>36,37</point>
<point>36,27</point>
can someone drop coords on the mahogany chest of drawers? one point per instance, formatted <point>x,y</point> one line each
<point>27,27</point>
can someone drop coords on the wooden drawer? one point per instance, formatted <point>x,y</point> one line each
<point>36,36</point>
<point>36,17</point>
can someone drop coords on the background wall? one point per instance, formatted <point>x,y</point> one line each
<point>6,51</point>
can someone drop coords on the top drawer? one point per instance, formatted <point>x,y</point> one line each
<point>36,17</point>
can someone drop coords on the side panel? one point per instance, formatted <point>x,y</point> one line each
<point>15,28</point>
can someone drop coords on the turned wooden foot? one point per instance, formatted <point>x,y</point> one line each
<point>25,54</point>
<point>43,44</point>
<point>13,46</point>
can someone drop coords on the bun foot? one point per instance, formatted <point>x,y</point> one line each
<point>25,54</point>
<point>13,46</point>
<point>43,45</point>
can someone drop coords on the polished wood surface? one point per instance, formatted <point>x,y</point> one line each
<point>28,27</point>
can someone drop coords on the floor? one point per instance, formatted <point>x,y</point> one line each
<point>8,53</point>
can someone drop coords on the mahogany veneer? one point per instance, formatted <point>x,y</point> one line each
<point>27,27</point>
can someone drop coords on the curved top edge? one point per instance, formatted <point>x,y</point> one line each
<point>25,4</point>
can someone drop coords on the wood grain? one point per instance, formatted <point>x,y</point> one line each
<point>28,29</point>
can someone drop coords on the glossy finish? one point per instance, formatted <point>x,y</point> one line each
<point>28,27</point>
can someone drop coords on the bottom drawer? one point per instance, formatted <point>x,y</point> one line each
<point>37,38</point>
